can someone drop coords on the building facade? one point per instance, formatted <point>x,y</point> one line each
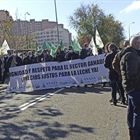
<point>44,30</point>
<point>50,35</point>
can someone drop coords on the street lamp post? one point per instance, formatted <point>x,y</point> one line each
<point>56,20</point>
<point>27,29</point>
<point>129,29</point>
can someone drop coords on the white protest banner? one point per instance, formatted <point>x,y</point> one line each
<point>57,75</point>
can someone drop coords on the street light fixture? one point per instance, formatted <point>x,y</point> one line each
<point>129,28</point>
<point>56,20</point>
<point>26,14</point>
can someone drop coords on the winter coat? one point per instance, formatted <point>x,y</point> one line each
<point>130,69</point>
<point>18,60</point>
<point>113,75</point>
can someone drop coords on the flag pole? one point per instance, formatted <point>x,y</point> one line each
<point>56,20</point>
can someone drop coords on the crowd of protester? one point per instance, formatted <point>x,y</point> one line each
<point>13,59</point>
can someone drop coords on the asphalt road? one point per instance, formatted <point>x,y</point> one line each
<point>62,114</point>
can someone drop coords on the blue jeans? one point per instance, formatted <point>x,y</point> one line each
<point>121,90</point>
<point>133,114</point>
<point>116,86</point>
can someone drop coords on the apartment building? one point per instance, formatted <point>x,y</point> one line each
<point>45,30</point>
<point>50,35</point>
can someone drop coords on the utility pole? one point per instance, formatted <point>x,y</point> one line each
<point>56,21</point>
<point>27,29</point>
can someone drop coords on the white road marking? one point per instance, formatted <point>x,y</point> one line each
<point>33,100</point>
<point>36,100</point>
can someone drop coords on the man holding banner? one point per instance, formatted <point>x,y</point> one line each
<point>85,52</point>
<point>59,55</point>
<point>46,57</point>
<point>71,55</point>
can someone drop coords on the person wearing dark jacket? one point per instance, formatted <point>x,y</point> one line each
<point>130,72</point>
<point>116,60</point>
<point>46,57</point>
<point>104,51</point>
<point>71,55</point>
<point>85,52</point>
<point>58,57</point>
<point>116,64</point>
<point>39,56</point>
<point>29,59</point>
<point>113,75</point>
<point>6,68</point>
<point>14,60</point>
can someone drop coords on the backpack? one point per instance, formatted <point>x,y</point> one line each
<point>116,63</point>
<point>117,59</point>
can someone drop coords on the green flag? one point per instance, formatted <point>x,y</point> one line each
<point>47,46</point>
<point>61,46</point>
<point>53,48</point>
<point>75,47</point>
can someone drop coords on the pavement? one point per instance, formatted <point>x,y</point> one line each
<point>3,86</point>
<point>82,113</point>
